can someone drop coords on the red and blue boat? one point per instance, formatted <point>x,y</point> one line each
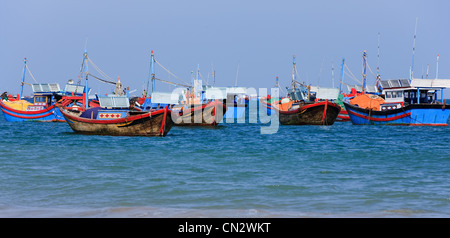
<point>41,107</point>
<point>402,102</point>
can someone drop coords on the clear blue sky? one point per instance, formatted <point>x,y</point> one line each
<point>258,37</point>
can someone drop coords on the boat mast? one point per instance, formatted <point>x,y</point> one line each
<point>152,63</point>
<point>86,89</point>
<point>332,74</point>
<point>414,49</point>
<point>342,76</point>
<point>293,74</point>
<point>364,71</point>
<point>437,66</point>
<point>23,79</point>
<point>196,83</point>
<point>378,63</point>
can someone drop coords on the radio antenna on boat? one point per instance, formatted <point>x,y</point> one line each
<point>294,69</point>
<point>152,68</point>
<point>378,64</point>
<point>342,75</point>
<point>332,74</point>
<point>23,78</point>
<point>437,66</point>
<point>237,73</point>
<point>414,49</point>
<point>86,88</point>
<point>364,71</point>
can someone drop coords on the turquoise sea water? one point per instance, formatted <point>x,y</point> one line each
<point>342,170</point>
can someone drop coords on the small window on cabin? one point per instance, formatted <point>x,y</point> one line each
<point>406,95</point>
<point>423,95</point>
<point>40,99</point>
<point>388,94</point>
<point>399,94</point>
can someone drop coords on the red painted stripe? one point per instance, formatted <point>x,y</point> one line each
<point>161,131</point>
<point>381,119</point>
<point>26,112</point>
<point>325,111</point>
<point>27,117</point>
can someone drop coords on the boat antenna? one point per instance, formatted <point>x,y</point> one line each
<point>342,75</point>
<point>86,89</point>
<point>332,74</point>
<point>437,66</point>
<point>23,78</point>
<point>364,71</point>
<point>378,63</point>
<point>414,49</point>
<point>237,73</point>
<point>152,66</point>
<point>378,56</point>
<point>293,73</point>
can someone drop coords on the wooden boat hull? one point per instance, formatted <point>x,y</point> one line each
<point>155,123</point>
<point>50,114</point>
<point>320,113</point>
<point>411,115</point>
<point>210,114</point>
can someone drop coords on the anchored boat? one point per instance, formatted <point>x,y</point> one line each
<point>118,119</point>
<point>40,108</point>
<point>402,102</point>
<point>115,116</point>
<point>301,108</point>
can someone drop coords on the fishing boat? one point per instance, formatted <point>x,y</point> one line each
<point>302,107</point>
<point>118,119</point>
<point>114,115</point>
<point>300,112</point>
<point>199,108</point>
<point>355,90</point>
<point>41,106</point>
<point>202,114</point>
<point>190,106</point>
<point>403,102</point>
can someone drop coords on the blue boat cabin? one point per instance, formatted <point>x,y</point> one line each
<point>399,93</point>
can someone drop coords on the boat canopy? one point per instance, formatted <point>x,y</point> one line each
<point>395,83</point>
<point>431,83</point>
<point>72,88</point>
<point>112,101</point>
<point>325,93</point>
<point>45,88</point>
<point>167,98</point>
<point>369,88</point>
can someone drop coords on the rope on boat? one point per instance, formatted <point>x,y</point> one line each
<point>168,71</point>
<point>351,74</point>
<point>102,80</point>
<point>100,71</point>
<point>29,71</point>
<point>176,84</point>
